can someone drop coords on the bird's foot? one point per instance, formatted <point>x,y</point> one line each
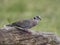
<point>27,31</point>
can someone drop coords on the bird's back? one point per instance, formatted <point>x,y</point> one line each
<point>25,24</point>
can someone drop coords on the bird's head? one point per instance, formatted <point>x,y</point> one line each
<point>37,18</point>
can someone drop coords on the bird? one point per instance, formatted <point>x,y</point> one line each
<point>26,23</point>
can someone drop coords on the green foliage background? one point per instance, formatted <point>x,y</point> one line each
<point>49,10</point>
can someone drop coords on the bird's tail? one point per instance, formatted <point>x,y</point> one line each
<point>9,25</point>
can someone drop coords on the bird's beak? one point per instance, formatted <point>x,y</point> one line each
<point>40,18</point>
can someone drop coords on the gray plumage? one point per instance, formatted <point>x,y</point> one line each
<point>26,24</point>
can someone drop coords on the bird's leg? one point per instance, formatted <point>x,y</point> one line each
<point>27,31</point>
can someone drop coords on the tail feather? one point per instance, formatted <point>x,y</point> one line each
<point>10,25</point>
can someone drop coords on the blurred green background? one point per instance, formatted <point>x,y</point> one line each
<point>49,10</point>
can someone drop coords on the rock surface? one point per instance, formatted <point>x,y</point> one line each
<point>14,36</point>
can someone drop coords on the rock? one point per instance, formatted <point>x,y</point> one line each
<point>14,36</point>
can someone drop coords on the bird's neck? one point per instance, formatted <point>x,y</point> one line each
<point>36,20</point>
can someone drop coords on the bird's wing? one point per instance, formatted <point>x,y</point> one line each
<point>29,23</point>
<point>18,23</point>
<point>21,23</point>
<point>25,23</point>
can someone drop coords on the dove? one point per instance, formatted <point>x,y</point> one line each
<point>27,23</point>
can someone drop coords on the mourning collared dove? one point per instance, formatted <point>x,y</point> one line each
<point>26,24</point>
